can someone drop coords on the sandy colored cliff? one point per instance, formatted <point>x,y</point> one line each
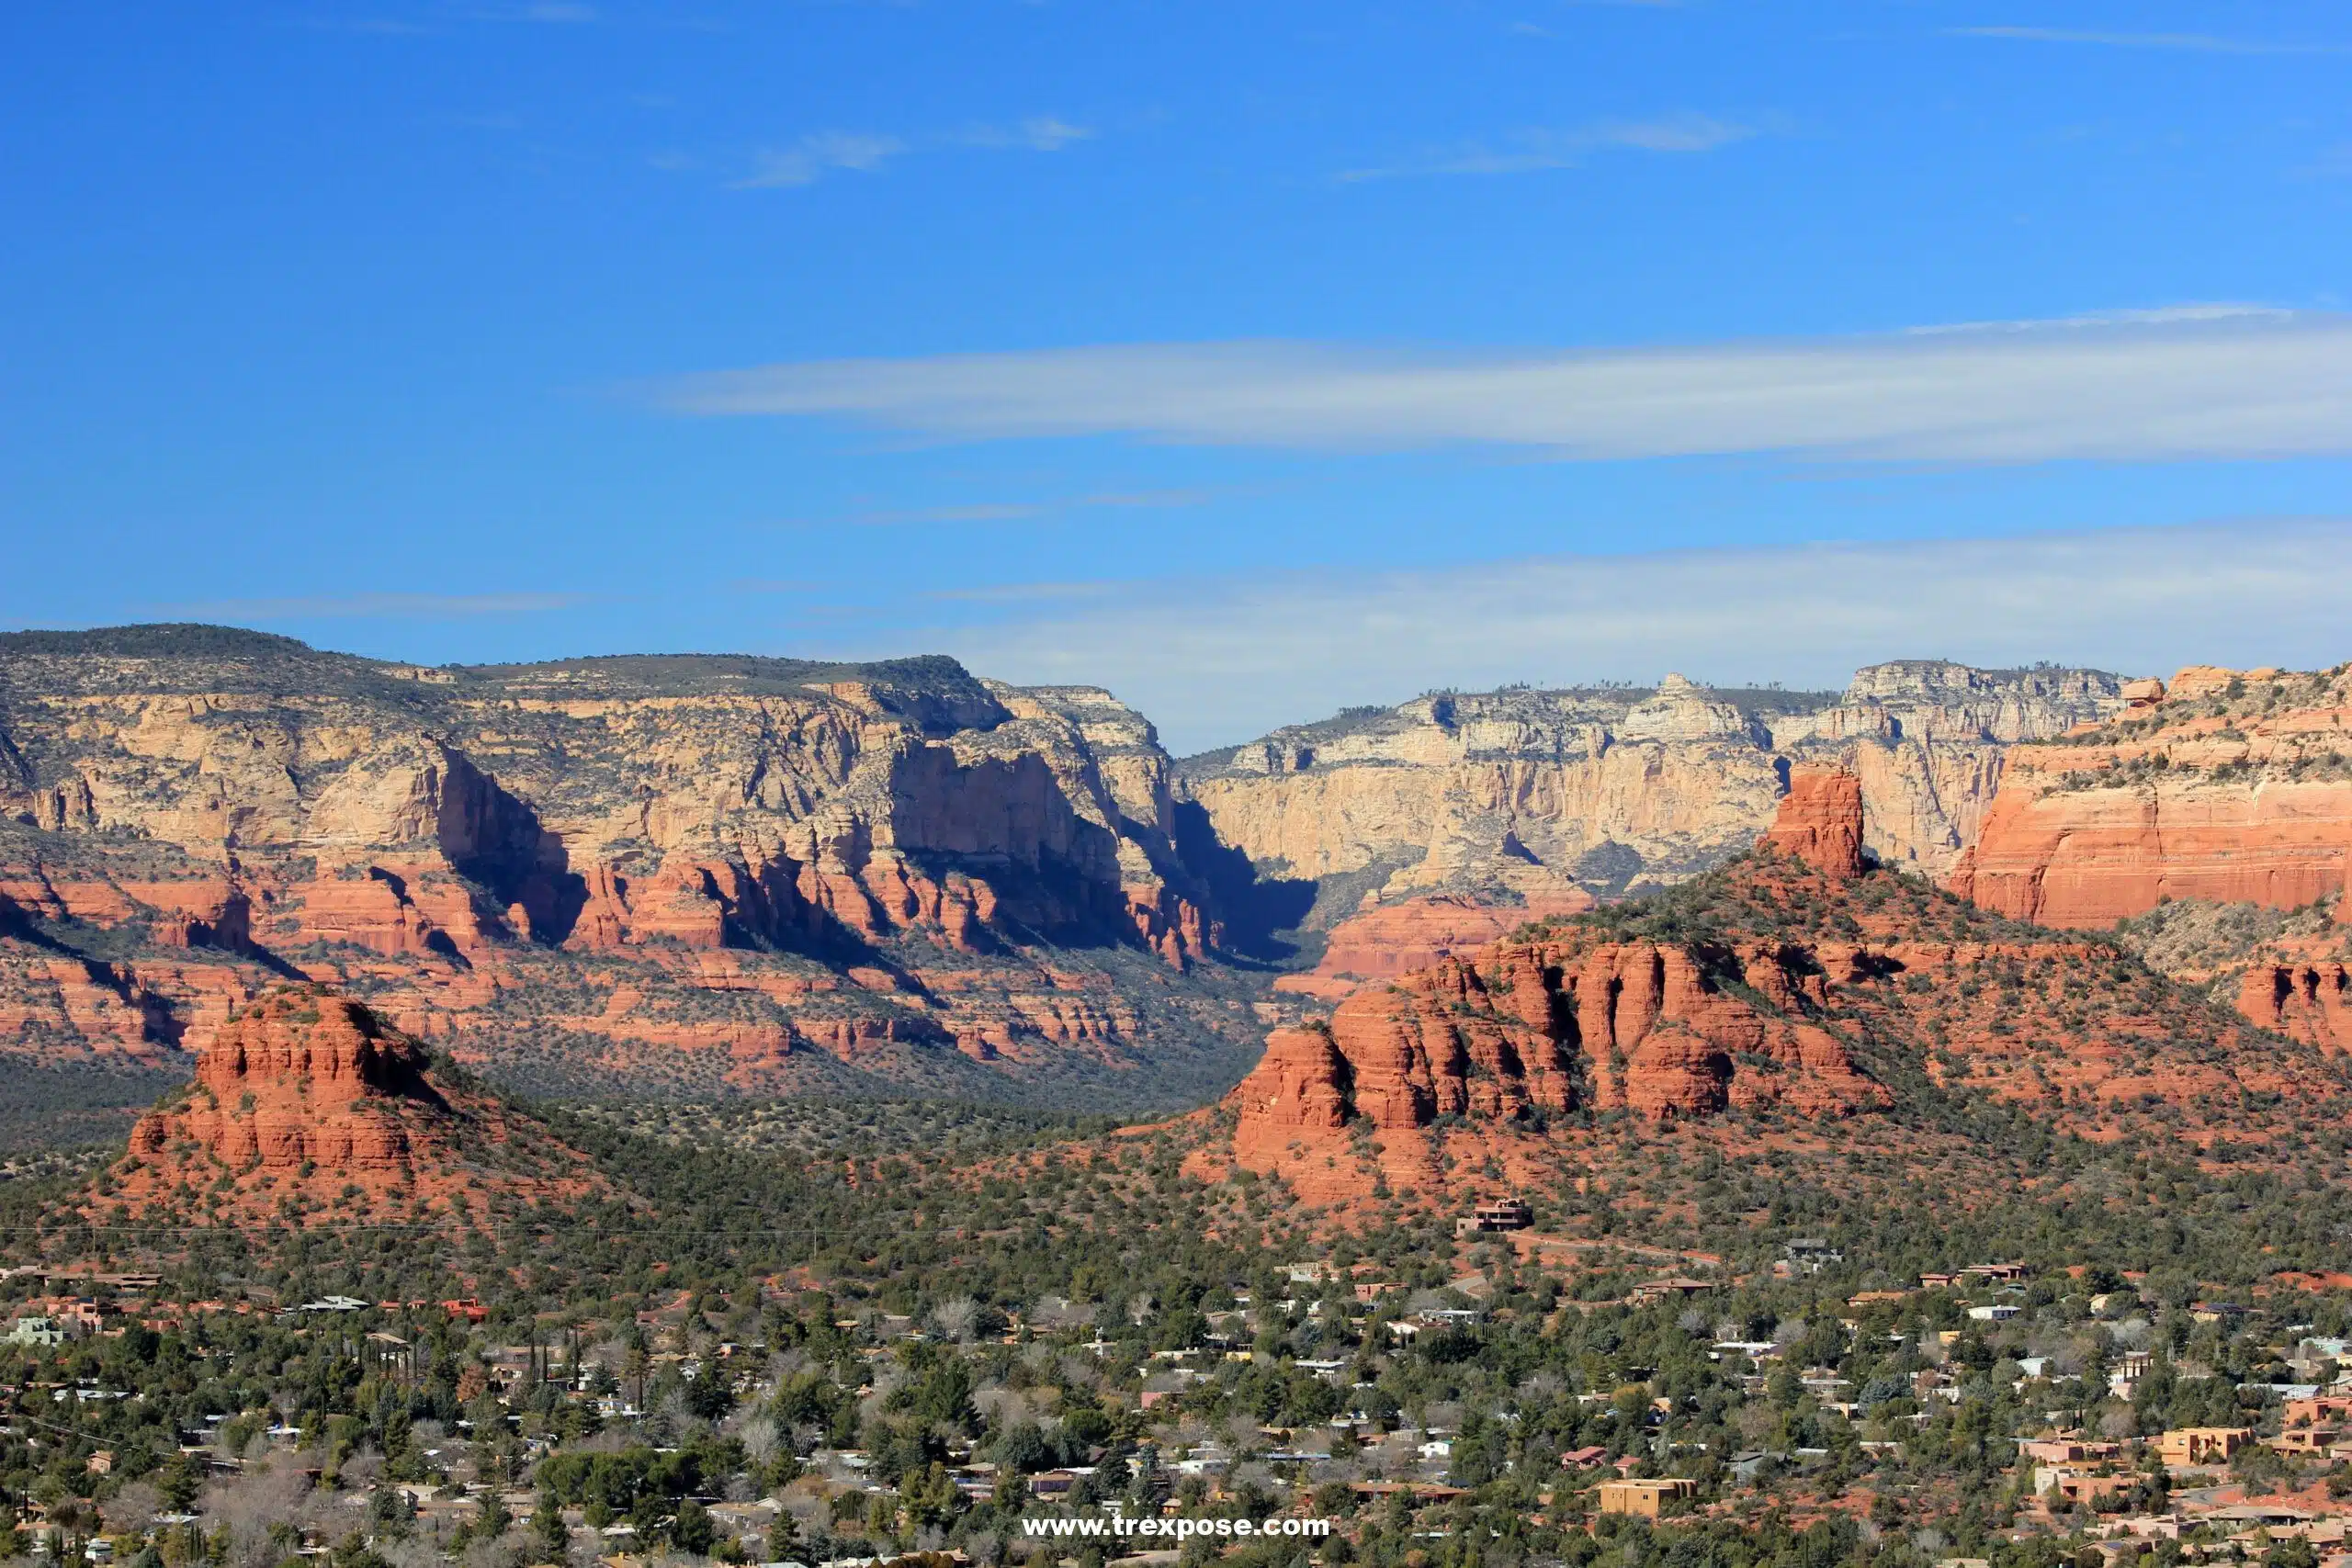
<point>1517,792</point>
<point>722,873</point>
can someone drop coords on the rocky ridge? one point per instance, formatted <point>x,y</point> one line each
<point>1793,986</point>
<point>753,872</point>
<point>1535,800</point>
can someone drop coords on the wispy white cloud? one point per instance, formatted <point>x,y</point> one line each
<point>1001,512</point>
<point>376,27</point>
<point>1039,133</point>
<point>1215,662</point>
<point>2199,43</point>
<point>1148,498</point>
<point>1525,151</point>
<point>827,152</point>
<point>818,154</point>
<point>1015,510</point>
<point>2200,382</point>
<point>385,606</point>
<point>1029,592</point>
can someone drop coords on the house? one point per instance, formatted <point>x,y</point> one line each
<point>2000,1312</point>
<point>1583,1459</point>
<point>1495,1215</point>
<point>2065,1451</point>
<point>1810,1253</point>
<point>1994,1271</point>
<point>2089,1490</point>
<point>42,1333</point>
<point>2314,1424</point>
<point>1938,1281</point>
<point>1657,1290</point>
<point>1419,1491</point>
<point>745,1518</point>
<point>76,1315</point>
<point>2201,1445</point>
<point>1371,1290</point>
<point>2317,1410</point>
<point>1643,1498</point>
<point>2315,1441</point>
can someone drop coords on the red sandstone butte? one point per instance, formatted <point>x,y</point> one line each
<point>1820,821</point>
<point>306,1096</point>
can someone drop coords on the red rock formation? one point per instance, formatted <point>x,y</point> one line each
<point>308,1100</point>
<point>1820,821</point>
<point>2307,1001</point>
<point>2238,799</point>
<point>1388,941</point>
<point>1523,1028</point>
<point>1755,989</point>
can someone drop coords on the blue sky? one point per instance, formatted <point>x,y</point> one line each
<point>1247,359</point>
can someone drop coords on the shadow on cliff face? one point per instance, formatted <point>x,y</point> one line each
<point>495,841</point>
<point>1259,912</point>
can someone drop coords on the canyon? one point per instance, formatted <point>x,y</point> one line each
<point>702,876</point>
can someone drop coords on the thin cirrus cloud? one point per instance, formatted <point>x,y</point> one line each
<point>2204,382</point>
<point>992,512</point>
<point>820,153</point>
<point>1225,659</point>
<point>2197,43</point>
<point>1015,511</point>
<point>1536,148</point>
<point>824,153</point>
<point>1039,133</point>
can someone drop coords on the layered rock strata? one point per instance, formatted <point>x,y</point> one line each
<point>2233,787</point>
<point>1508,795</point>
<point>760,858</point>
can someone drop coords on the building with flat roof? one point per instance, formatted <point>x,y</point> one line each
<point>2202,1445</point>
<point>1495,1215</point>
<point>1643,1498</point>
